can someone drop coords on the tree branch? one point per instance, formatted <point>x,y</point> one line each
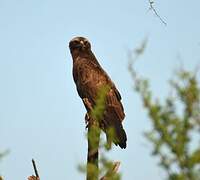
<point>155,12</point>
<point>93,153</point>
<point>36,177</point>
<point>35,168</point>
<point>95,115</point>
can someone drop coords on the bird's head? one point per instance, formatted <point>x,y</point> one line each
<point>79,44</point>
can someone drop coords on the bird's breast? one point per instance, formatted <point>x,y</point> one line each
<point>89,79</point>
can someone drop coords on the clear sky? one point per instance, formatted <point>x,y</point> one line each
<point>41,115</point>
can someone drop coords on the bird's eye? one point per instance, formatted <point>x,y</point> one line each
<point>76,42</point>
<point>86,43</point>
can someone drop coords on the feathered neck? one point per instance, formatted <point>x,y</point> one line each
<point>85,55</point>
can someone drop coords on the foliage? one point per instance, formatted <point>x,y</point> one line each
<point>99,167</point>
<point>4,153</point>
<point>175,123</point>
<point>105,170</point>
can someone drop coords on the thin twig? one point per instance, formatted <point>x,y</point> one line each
<point>155,12</point>
<point>133,56</point>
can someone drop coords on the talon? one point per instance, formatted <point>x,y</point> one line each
<point>87,104</point>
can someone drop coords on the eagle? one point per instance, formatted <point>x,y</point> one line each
<point>89,78</point>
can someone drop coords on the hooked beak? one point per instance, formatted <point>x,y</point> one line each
<point>82,45</point>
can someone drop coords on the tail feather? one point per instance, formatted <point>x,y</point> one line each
<point>117,134</point>
<point>121,136</point>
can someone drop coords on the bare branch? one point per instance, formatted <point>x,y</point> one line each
<point>36,177</point>
<point>35,168</point>
<point>155,12</point>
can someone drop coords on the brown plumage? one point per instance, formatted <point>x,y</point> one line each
<point>90,78</point>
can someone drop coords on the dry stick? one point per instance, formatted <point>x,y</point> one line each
<point>35,169</point>
<point>154,10</point>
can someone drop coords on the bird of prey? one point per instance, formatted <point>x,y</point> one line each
<point>89,77</point>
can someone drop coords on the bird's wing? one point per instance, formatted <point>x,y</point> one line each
<point>113,118</point>
<point>96,64</point>
<point>89,78</point>
<point>115,105</point>
<point>116,91</point>
<point>86,76</point>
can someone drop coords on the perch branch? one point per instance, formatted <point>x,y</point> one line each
<point>95,115</point>
<point>93,153</point>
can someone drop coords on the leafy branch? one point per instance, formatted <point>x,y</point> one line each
<point>175,123</point>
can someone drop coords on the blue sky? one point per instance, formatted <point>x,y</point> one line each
<point>41,115</point>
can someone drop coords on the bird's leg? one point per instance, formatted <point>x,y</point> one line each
<point>88,107</point>
<point>87,104</point>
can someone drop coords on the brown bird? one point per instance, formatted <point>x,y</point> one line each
<point>89,78</point>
